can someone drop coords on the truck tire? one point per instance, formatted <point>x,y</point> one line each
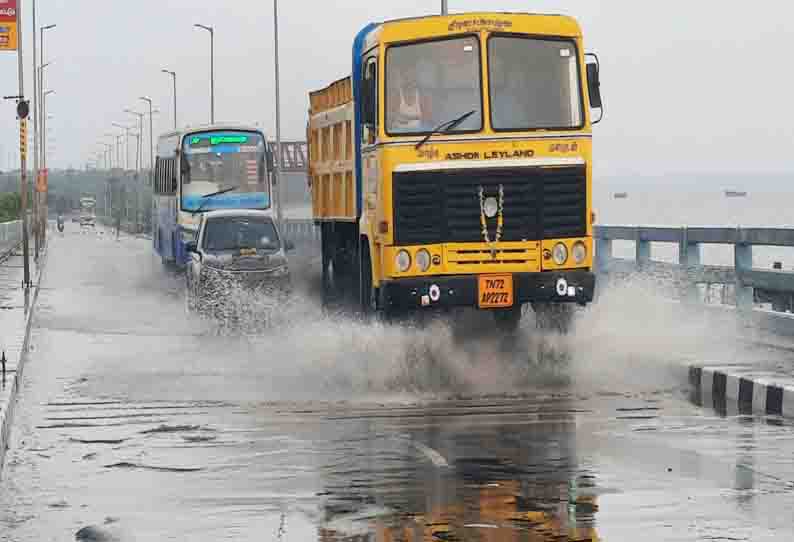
<point>508,320</point>
<point>554,316</point>
<point>368,294</point>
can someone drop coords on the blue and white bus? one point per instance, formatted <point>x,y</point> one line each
<point>221,166</point>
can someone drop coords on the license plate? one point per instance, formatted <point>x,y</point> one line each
<point>495,291</point>
<point>247,252</point>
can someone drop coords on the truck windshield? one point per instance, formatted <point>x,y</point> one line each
<point>534,83</point>
<point>216,161</point>
<point>230,233</point>
<point>431,82</point>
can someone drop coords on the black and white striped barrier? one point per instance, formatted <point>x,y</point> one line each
<point>733,389</point>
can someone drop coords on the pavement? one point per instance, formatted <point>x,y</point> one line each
<point>16,305</point>
<point>139,421</point>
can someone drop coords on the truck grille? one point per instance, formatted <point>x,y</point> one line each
<point>444,206</point>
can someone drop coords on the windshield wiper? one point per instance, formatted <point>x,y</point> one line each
<point>206,197</point>
<point>445,127</point>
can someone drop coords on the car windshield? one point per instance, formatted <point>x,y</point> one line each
<point>433,82</point>
<point>534,83</point>
<point>222,160</point>
<point>240,232</point>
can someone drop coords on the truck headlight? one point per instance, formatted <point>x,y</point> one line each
<point>188,236</point>
<point>579,252</point>
<point>403,261</point>
<point>560,254</point>
<point>423,260</point>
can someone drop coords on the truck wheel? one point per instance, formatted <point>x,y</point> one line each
<point>507,320</point>
<point>554,316</point>
<point>368,294</point>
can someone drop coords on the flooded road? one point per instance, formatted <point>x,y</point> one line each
<point>138,421</point>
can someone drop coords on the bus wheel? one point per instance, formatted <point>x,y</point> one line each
<point>368,294</point>
<point>507,320</point>
<point>554,316</point>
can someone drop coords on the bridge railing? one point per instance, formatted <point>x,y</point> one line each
<point>10,234</point>
<point>300,230</point>
<point>747,280</point>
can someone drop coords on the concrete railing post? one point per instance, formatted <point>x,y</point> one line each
<point>743,261</point>
<point>642,250</point>
<point>603,254</point>
<point>688,258</point>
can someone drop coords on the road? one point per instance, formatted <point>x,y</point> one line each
<point>139,422</point>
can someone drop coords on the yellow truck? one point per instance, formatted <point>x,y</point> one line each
<point>453,167</point>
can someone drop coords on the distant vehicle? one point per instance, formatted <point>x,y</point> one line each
<point>221,166</point>
<point>236,247</point>
<point>88,211</point>
<point>735,194</point>
<point>60,223</point>
<point>621,195</point>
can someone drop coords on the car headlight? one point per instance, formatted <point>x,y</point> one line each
<point>188,236</point>
<point>403,261</point>
<point>423,260</point>
<point>579,252</point>
<point>560,254</point>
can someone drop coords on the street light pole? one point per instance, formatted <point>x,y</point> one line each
<point>140,131</point>
<point>444,7</point>
<point>151,136</point>
<point>23,179</point>
<point>211,30</point>
<point>127,152</point>
<point>173,75</point>
<point>43,211</point>
<point>277,161</point>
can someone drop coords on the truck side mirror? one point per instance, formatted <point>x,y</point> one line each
<point>289,246</point>
<point>192,247</point>
<point>594,85</point>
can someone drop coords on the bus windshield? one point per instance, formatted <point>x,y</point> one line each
<point>232,162</point>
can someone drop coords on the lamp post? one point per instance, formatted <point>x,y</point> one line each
<point>151,136</point>
<point>211,30</point>
<point>444,7</point>
<point>277,161</point>
<point>127,151</point>
<point>173,76</point>
<point>23,179</point>
<point>41,86</point>
<point>140,132</point>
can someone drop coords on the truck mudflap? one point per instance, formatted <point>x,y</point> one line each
<point>576,286</point>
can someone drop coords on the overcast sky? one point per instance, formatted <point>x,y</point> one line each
<point>689,86</point>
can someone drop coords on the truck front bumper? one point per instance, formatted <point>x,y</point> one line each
<point>462,290</point>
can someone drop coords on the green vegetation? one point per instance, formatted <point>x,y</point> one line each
<point>9,206</point>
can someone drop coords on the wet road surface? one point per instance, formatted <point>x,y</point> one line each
<point>137,421</point>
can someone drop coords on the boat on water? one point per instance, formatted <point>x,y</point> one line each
<point>621,195</point>
<point>735,194</point>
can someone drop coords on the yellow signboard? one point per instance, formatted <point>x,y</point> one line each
<point>8,36</point>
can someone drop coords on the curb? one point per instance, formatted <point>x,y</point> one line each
<point>743,391</point>
<point>7,413</point>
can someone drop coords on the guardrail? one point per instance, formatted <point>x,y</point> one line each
<point>300,230</point>
<point>750,285</point>
<point>10,233</point>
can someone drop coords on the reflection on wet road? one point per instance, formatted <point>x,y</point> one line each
<point>139,422</point>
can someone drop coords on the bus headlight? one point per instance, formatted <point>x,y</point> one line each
<point>579,252</point>
<point>423,260</point>
<point>560,254</point>
<point>403,261</point>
